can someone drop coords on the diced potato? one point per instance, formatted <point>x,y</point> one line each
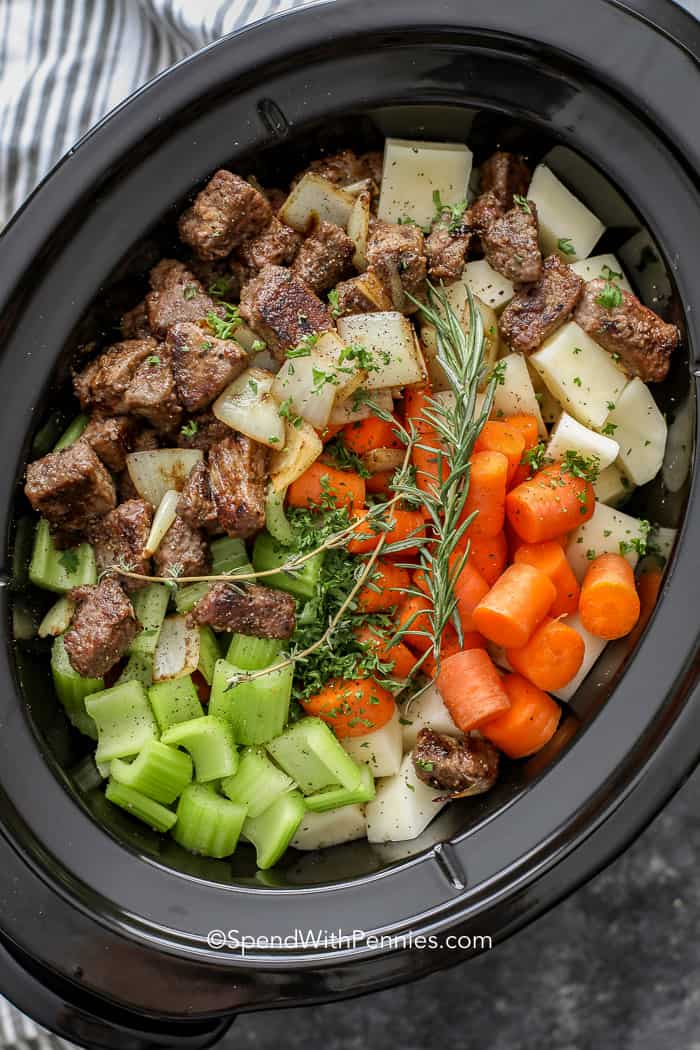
<point>427,711</point>
<point>593,648</point>
<point>603,534</point>
<point>591,269</point>
<point>487,284</point>
<point>647,269</point>
<point>571,436</point>
<point>516,394</point>
<point>314,383</point>
<point>641,432</point>
<point>413,171</point>
<point>612,486</point>
<point>562,216</point>
<point>177,651</point>
<point>679,448</point>
<point>302,447</point>
<point>249,405</point>
<point>318,830</point>
<point>402,808</point>
<point>315,196</point>
<point>391,339</point>
<point>355,408</point>
<point>154,471</point>
<point>579,374</point>
<point>358,229</point>
<point>382,750</point>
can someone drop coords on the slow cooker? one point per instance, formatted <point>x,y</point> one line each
<point>105,929</point>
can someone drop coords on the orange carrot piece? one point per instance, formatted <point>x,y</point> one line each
<point>364,435</point>
<point>526,425</point>
<point>413,615</point>
<point>471,688</point>
<point>550,504</point>
<point>352,707</point>
<point>512,609</point>
<point>487,493</point>
<point>329,432</point>
<point>380,484</point>
<point>399,654</point>
<point>449,645</point>
<point>530,722</point>
<point>489,555</point>
<point>499,436</point>
<point>385,588</point>
<point>344,487</point>
<point>550,559</point>
<point>648,589</point>
<point>469,588</point>
<point>609,605</point>
<point>403,525</point>
<point>431,467</point>
<point>552,657</point>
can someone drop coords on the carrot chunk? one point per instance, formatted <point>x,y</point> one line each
<point>550,559</point>
<point>512,609</point>
<point>498,436</point>
<point>529,723</point>
<point>449,645</point>
<point>414,616</point>
<point>550,504</point>
<point>426,456</point>
<point>385,588</point>
<point>469,588</point>
<point>552,657</point>
<point>487,493</point>
<point>402,525</point>
<point>320,482</point>
<point>352,707</point>
<point>609,605</point>
<point>489,555</point>
<point>398,654</point>
<point>364,435</point>
<point>526,426</point>
<point>471,688</point>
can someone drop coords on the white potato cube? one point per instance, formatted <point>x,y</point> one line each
<point>593,648</point>
<point>382,750</point>
<point>602,266</point>
<point>318,830</point>
<point>612,486</point>
<point>391,340</point>
<point>427,711</point>
<point>579,374</point>
<point>516,394</point>
<point>306,384</point>
<point>414,171</point>
<point>640,431</point>
<point>562,217</point>
<point>402,807</point>
<point>571,436</point>
<point>487,284</point>
<point>315,196</point>
<point>603,534</point>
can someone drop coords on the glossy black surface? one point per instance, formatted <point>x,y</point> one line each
<point>128,928</point>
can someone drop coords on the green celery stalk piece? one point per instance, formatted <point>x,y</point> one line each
<point>276,520</point>
<point>139,668</point>
<point>257,783</point>
<point>257,710</point>
<point>140,806</point>
<point>59,571</point>
<point>187,597</point>
<point>268,554</point>
<point>211,744</point>
<point>72,432</point>
<point>158,771</point>
<point>207,823</point>
<point>228,557</point>
<point>208,653</point>
<point>174,701</point>
<point>150,605</point>
<point>72,689</point>
<point>335,797</point>
<point>253,654</point>
<point>310,753</point>
<point>273,830</point>
<point>124,720</point>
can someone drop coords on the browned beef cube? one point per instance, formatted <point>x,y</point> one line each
<point>182,552</point>
<point>485,210</point>
<point>111,440</point>
<point>227,212</point>
<point>202,431</point>
<point>282,309</point>
<point>258,611</point>
<point>177,295</point>
<point>202,364</point>
<point>324,257</point>
<point>537,310</point>
<point>134,323</point>
<point>152,393</point>
<point>446,247</point>
<point>371,166</point>
<point>196,504</point>
<point>102,384</point>
<point>70,488</point>
<point>341,168</point>
<point>102,629</point>
<point>511,244</point>
<point>119,539</point>
<point>642,340</point>
<point>364,294</point>
<point>275,246</point>
<point>460,767</point>
<point>506,175</point>
<point>238,474</point>
<point>396,254</point>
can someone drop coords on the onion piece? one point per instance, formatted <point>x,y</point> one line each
<point>311,384</point>
<point>58,618</point>
<point>356,408</point>
<point>155,471</point>
<point>355,188</point>
<point>391,340</point>
<point>177,652</point>
<point>248,405</point>
<point>379,460</point>
<point>358,229</point>
<point>331,351</point>
<point>302,447</point>
<point>162,520</point>
<point>315,196</point>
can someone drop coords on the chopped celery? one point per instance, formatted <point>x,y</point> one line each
<point>71,434</point>
<point>57,619</point>
<point>207,823</point>
<point>257,710</point>
<point>187,597</point>
<point>139,668</point>
<point>274,829</point>
<point>276,520</point>
<point>208,654</point>
<point>253,654</point>
<point>269,554</point>
<point>257,783</point>
<point>158,771</point>
<point>312,756</point>
<point>124,720</point>
<point>146,809</point>
<point>72,689</point>
<point>335,797</point>
<point>174,701</point>
<point>211,744</point>
<point>150,605</point>
<point>228,557</point>
<point>56,570</point>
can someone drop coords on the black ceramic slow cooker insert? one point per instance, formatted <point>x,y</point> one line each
<point>103,926</point>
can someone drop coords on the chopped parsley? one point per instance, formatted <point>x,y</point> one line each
<point>344,458</point>
<point>640,544</point>
<point>221,287</point>
<point>577,381</point>
<point>535,458</point>
<point>224,327</point>
<point>153,360</point>
<point>286,411</point>
<point>69,561</point>
<point>609,429</point>
<point>452,215</point>
<point>333,302</point>
<point>257,346</point>
<point>304,347</point>
<point>565,246</point>
<point>585,467</point>
<point>611,295</point>
<point>189,429</point>
<point>190,291</point>
<point>522,203</point>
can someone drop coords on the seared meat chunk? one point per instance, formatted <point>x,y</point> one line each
<point>511,244</point>
<point>177,295</point>
<point>152,392</point>
<point>281,309</point>
<point>238,479</point>
<point>324,257</point>
<point>101,385</point>
<point>484,212</point>
<point>182,552</point>
<point>202,364</point>
<point>70,488</point>
<point>196,504</point>
<point>120,537</point>
<point>275,246</point>
<point>134,323</point>
<point>342,168</point>
<point>364,294</point>
<point>642,339</point>
<point>371,166</point>
<point>446,247</point>
<point>111,440</point>
<point>202,431</point>
<point>396,254</point>
<point>458,767</point>
<point>537,310</point>
<point>102,628</point>
<point>227,212</point>
<point>505,175</point>
<point>259,611</point>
